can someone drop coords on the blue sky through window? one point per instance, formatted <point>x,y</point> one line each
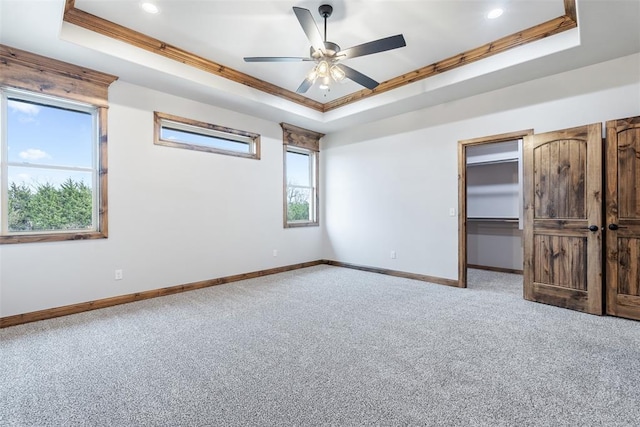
<point>298,169</point>
<point>203,140</point>
<point>47,136</point>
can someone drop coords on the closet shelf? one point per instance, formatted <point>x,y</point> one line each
<point>493,219</point>
<point>491,162</point>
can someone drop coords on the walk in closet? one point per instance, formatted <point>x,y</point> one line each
<point>560,206</point>
<point>494,206</point>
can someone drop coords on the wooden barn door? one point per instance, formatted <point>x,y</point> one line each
<point>563,218</point>
<point>623,218</point>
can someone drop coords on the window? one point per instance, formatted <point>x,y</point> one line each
<point>178,132</point>
<point>53,145</point>
<point>49,164</point>
<point>300,176</point>
<point>301,185</point>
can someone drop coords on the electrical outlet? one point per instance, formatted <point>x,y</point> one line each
<point>275,252</point>
<point>118,275</point>
<point>393,254</point>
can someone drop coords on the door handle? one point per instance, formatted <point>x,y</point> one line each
<point>593,228</point>
<point>615,226</point>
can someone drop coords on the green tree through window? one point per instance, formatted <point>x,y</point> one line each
<point>297,204</point>
<point>47,207</point>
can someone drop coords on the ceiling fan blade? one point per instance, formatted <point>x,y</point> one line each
<point>304,86</point>
<point>309,27</point>
<point>275,59</point>
<point>358,77</point>
<point>376,46</point>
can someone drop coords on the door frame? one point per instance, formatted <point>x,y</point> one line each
<point>462,192</point>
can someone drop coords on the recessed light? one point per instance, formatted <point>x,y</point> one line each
<point>495,13</point>
<point>149,7</point>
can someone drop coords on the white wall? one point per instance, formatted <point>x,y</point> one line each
<point>389,185</point>
<point>495,244</point>
<point>175,216</point>
<point>178,216</point>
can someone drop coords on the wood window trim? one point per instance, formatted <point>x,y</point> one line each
<point>300,137</point>
<point>294,136</point>
<point>158,117</point>
<point>38,74</point>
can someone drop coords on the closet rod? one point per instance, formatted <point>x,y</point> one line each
<point>492,162</point>
<point>489,219</point>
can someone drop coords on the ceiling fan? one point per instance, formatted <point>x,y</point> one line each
<point>327,55</point>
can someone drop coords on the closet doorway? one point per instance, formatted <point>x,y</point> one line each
<point>581,216</point>
<point>490,204</point>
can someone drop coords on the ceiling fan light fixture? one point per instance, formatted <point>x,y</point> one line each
<point>313,75</point>
<point>325,83</point>
<point>337,73</point>
<point>323,69</point>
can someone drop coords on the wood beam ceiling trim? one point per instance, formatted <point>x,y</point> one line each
<point>546,29</point>
<point>142,41</point>
<point>118,32</point>
<point>570,10</point>
<point>68,5</point>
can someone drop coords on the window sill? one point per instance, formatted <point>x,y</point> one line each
<point>301,224</point>
<point>52,237</point>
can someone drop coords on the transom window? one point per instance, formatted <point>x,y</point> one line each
<point>49,168</point>
<point>178,132</point>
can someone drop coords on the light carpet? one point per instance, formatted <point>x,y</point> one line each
<point>325,346</point>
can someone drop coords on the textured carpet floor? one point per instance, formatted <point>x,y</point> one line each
<point>325,346</point>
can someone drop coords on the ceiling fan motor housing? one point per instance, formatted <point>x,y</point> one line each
<point>330,50</point>
<point>325,10</point>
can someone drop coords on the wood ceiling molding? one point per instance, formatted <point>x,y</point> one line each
<point>529,35</point>
<point>570,10</point>
<point>96,24</point>
<point>91,22</point>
